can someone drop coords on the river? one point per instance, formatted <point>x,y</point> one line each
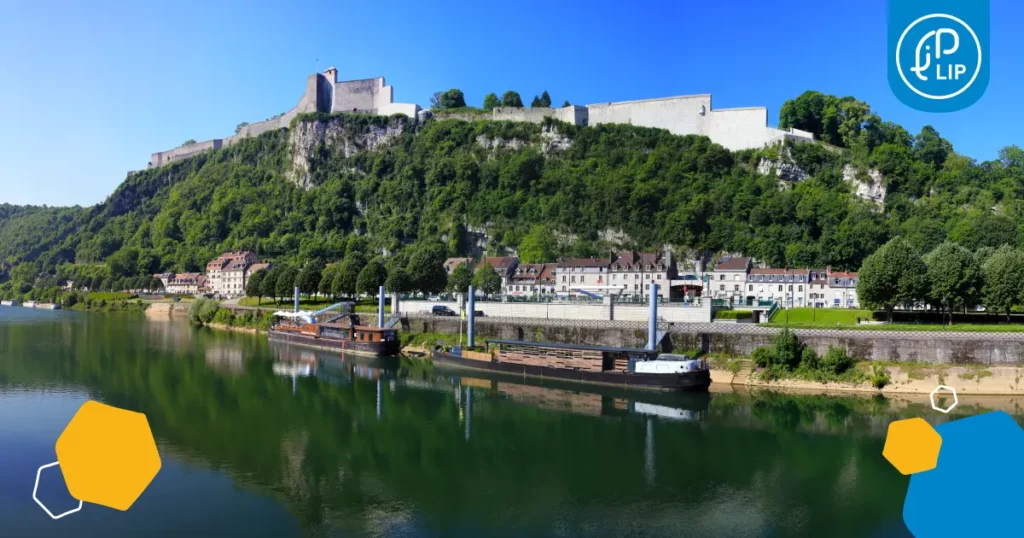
<point>267,440</point>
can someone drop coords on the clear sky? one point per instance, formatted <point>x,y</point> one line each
<point>90,90</point>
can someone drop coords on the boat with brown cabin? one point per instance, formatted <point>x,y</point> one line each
<point>341,333</point>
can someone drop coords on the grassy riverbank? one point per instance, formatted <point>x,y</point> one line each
<point>840,318</point>
<point>363,306</point>
<point>209,312</point>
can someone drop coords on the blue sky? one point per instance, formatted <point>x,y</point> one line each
<point>91,90</point>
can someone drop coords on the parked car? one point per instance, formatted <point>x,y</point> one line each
<point>441,310</point>
<point>478,313</point>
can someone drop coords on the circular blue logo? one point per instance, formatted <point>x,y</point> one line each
<point>939,56</point>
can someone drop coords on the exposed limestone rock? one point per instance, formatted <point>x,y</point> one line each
<point>786,171</point>
<point>496,143</point>
<point>308,135</point>
<point>866,184</point>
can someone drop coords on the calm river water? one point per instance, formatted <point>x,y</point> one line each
<point>265,440</point>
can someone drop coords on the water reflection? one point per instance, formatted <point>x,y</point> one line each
<point>357,446</point>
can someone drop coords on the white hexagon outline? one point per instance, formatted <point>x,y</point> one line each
<point>35,490</point>
<point>931,398</point>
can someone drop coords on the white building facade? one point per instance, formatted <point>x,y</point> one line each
<point>227,274</point>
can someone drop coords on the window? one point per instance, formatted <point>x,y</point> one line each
<point>780,287</point>
<point>721,287</point>
<point>647,276</point>
<point>563,280</point>
<point>721,277</point>
<point>636,286</point>
<point>574,279</point>
<point>615,277</point>
<point>750,288</point>
<point>736,287</point>
<point>790,287</point>
<point>636,276</point>
<point>799,288</point>
<point>647,287</point>
<point>659,277</point>
<point>582,278</point>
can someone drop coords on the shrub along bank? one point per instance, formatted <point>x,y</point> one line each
<point>209,312</point>
<point>787,357</point>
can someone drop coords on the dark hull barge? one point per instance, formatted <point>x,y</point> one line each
<point>620,367</point>
<point>347,336</point>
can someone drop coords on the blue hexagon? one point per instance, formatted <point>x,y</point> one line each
<point>974,489</point>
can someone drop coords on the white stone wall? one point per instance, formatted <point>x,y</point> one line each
<point>161,158</point>
<point>739,128</point>
<point>357,95</point>
<point>669,313</point>
<point>399,108</point>
<point>680,115</point>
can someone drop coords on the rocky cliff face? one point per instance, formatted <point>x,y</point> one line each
<point>865,184</point>
<point>342,134</point>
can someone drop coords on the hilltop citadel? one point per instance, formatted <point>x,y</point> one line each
<point>733,128</point>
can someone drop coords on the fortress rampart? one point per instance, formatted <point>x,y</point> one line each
<point>324,93</point>
<point>733,128</point>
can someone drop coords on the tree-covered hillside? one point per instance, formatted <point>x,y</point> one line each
<point>555,188</point>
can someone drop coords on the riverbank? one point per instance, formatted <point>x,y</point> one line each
<point>903,379</point>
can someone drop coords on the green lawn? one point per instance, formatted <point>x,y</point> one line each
<point>363,307</point>
<point>841,318</point>
<point>819,317</point>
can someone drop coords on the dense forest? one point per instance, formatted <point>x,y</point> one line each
<point>542,190</point>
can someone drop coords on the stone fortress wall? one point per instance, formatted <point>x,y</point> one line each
<point>733,128</point>
<point>324,93</point>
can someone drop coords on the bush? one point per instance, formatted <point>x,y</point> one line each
<point>763,357</point>
<point>808,359</point>
<point>788,350</point>
<point>203,311</point>
<point>836,361</point>
<point>879,376</point>
<point>224,317</point>
<point>733,314</point>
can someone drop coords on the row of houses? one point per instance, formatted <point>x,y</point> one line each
<point>226,276</point>
<point>623,274</point>
<point>630,274</point>
<point>737,280</point>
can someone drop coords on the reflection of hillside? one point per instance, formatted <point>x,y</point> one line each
<point>322,448</point>
<point>225,359</point>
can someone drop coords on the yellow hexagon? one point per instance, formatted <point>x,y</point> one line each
<point>108,455</point>
<point>912,446</point>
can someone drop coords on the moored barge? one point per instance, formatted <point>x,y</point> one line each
<point>615,366</point>
<point>346,335</point>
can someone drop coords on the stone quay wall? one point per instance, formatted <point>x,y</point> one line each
<point>737,339</point>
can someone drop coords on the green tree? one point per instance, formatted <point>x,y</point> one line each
<point>286,281</point>
<point>566,103</point>
<point>347,279</point>
<point>511,99</point>
<point>425,268</point>
<point>124,262</point>
<point>486,279</point>
<point>491,101</point>
<point>895,274</point>
<point>398,281</point>
<point>268,288</point>
<point>1003,273</point>
<point>372,277</point>
<point>536,103</point>
<point>326,286</point>
<point>189,142</point>
<point>538,245</point>
<point>254,287</point>
<point>240,126</point>
<point>460,278</point>
<point>309,277</point>
<point>452,98</point>
<point>932,148</point>
<point>954,277</point>
<point>545,99</point>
